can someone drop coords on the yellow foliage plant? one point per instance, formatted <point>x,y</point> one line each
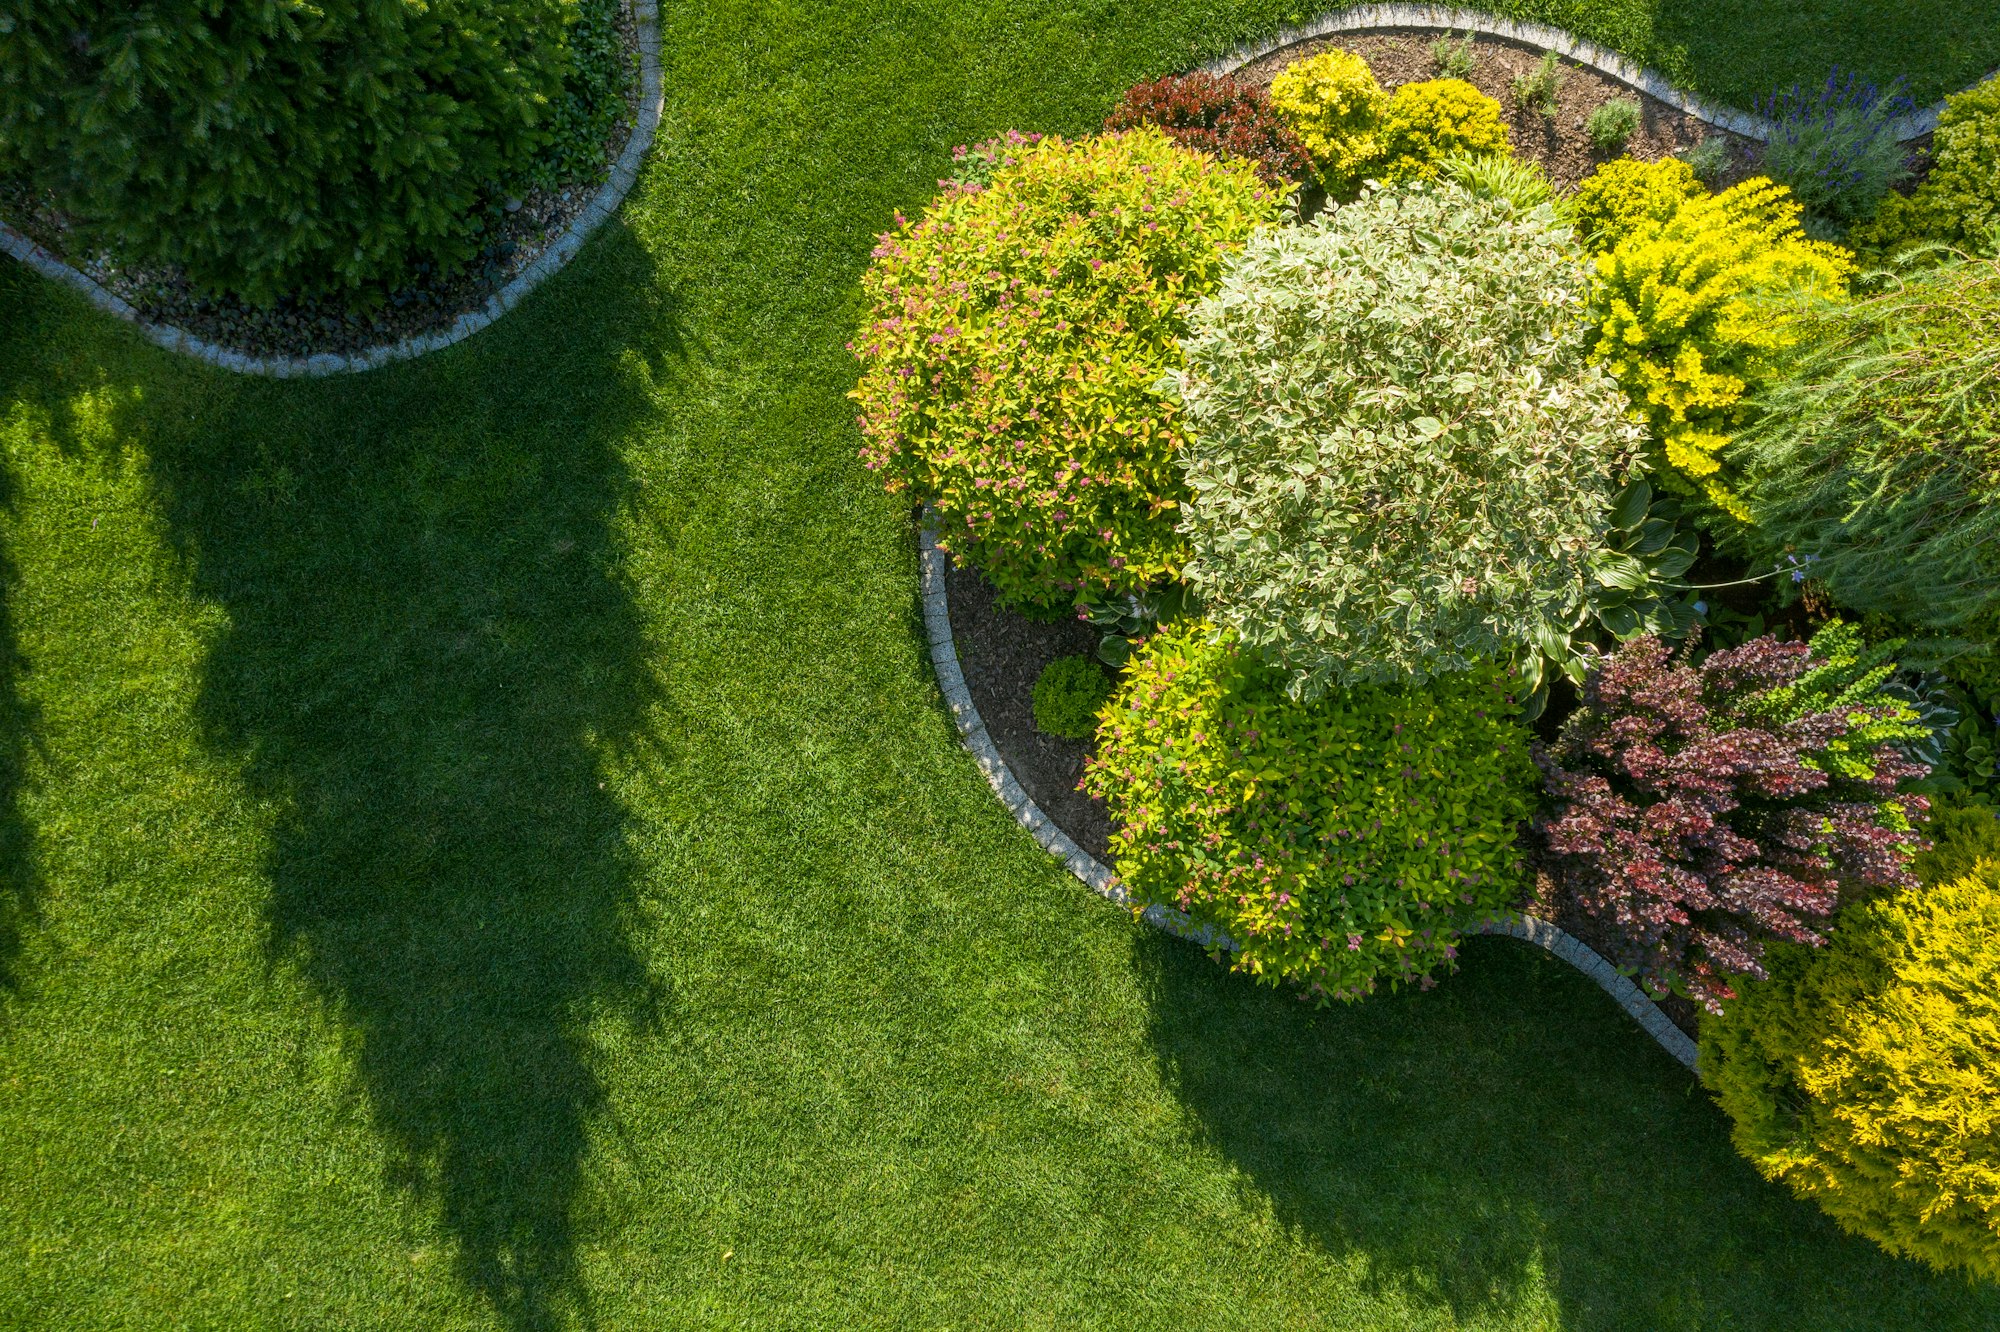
<point>1695,310</point>
<point>1866,1074</point>
<point>1617,198</point>
<point>1335,106</point>
<point>1959,202</point>
<point>1429,122</point>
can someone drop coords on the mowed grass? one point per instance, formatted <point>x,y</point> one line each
<point>480,846</point>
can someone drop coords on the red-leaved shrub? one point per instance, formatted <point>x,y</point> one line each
<point>1217,116</point>
<point>1701,811</point>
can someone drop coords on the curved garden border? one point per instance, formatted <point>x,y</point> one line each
<point>646,15</point>
<point>1364,18</point>
<point>972,731</point>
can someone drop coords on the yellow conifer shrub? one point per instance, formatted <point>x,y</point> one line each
<point>1695,308</point>
<point>1429,122</point>
<point>1616,199</point>
<point>1866,1075</point>
<point>1335,106</point>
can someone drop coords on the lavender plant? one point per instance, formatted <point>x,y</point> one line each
<point>1837,149</point>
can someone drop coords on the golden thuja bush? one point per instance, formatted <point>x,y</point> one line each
<point>1429,122</point>
<point>1335,106</point>
<point>1866,1075</point>
<point>1695,309</point>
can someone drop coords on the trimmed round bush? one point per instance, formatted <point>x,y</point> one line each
<point>1401,458</point>
<point>1876,456</point>
<point>1338,843</point>
<point>1335,105</point>
<point>1866,1075</point>
<point>1015,338</point>
<point>1617,198</point>
<point>273,149</point>
<point>1218,116</point>
<point>1959,201</point>
<point>1697,309</point>
<point>1428,122</point>
<point>1068,693</point>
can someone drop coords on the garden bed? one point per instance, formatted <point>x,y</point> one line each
<point>520,230</point>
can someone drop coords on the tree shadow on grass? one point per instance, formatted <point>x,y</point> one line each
<point>20,885</point>
<point>430,654</point>
<point>1512,1138</point>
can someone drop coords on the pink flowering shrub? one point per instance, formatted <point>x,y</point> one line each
<point>1703,811</point>
<point>1014,339</point>
<point>1337,843</point>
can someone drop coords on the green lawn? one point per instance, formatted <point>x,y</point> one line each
<point>482,847</point>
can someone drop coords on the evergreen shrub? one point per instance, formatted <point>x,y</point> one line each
<point>1334,103</point>
<point>1338,843</point>
<point>1616,199</point>
<point>1428,122</point>
<point>1014,341</point>
<point>1959,202</point>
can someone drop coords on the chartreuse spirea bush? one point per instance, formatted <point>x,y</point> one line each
<point>1959,202</point>
<point>1616,199</point>
<point>1866,1074</point>
<point>1400,458</point>
<point>1695,311</point>
<point>1339,843</point>
<point>1876,453</point>
<point>1699,813</point>
<point>1335,106</point>
<point>1015,338</point>
<point>273,148</point>
<point>1428,122</point>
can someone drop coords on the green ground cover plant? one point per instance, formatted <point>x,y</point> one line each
<point>1068,694</point>
<point>482,848</point>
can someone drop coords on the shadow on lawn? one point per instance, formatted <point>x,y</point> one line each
<point>1508,1134</point>
<point>430,653</point>
<point>19,881</point>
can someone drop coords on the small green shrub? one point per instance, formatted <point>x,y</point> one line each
<point>1617,198</point>
<point>1613,124</point>
<point>1708,159</point>
<point>1334,104</point>
<point>1454,58</point>
<point>1959,202</point>
<point>1876,455</point>
<point>1428,122</point>
<point>1866,1075</point>
<point>1401,460</point>
<point>1520,183</point>
<point>1836,150</point>
<point>1962,833</point>
<point>1696,310</point>
<point>1538,89</point>
<point>1014,340</point>
<point>1338,843</point>
<point>272,149</point>
<point>1068,694</point>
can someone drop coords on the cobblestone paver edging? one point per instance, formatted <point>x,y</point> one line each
<point>625,171</point>
<point>1362,18</point>
<point>972,730</point>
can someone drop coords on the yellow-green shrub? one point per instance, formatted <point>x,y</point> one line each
<point>1695,309</point>
<point>1959,202</point>
<point>1427,122</point>
<point>1866,1075</point>
<point>1335,106</point>
<point>1617,198</point>
<point>1014,340</point>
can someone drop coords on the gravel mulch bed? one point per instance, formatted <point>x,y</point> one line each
<point>1558,143</point>
<point>311,326</point>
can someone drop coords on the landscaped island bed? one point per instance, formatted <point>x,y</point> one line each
<point>481,846</point>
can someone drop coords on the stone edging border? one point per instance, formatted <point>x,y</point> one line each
<point>1361,18</point>
<point>972,731</point>
<point>624,172</point>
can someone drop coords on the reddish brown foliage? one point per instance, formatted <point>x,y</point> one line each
<point>1218,116</point>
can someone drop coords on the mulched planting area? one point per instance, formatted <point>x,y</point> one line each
<point>520,229</point>
<point>1557,143</point>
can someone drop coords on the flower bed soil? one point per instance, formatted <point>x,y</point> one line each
<point>520,231</point>
<point>1557,143</point>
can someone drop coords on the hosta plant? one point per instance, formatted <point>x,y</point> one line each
<point>1338,844</point>
<point>1696,310</point>
<point>1015,338</point>
<point>1866,1075</point>
<point>1218,116</point>
<point>1401,459</point>
<point>1701,812</point>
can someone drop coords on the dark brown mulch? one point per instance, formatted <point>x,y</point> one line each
<point>518,233</point>
<point>1558,143</point>
<point>1002,654</point>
